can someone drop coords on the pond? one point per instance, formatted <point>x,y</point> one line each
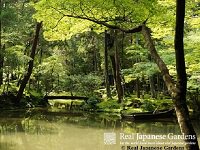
<point>46,130</point>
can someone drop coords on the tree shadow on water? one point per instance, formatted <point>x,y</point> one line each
<point>6,146</point>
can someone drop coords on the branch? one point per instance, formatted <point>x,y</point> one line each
<point>58,22</point>
<point>104,23</point>
<point>133,30</point>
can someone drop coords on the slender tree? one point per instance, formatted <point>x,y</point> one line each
<point>118,79</point>
<point>30,64</point>
<point>108,92</point>
<point>1,49</point>
<point>180,98</point>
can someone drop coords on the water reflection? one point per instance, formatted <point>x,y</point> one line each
<point>44,130</point>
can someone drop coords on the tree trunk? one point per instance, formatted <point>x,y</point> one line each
<point>106,67</point>
<point>138,87</point>
<point>8,80</point>
<point>177,92</point>
<point>122,51</point>
<point>158,82</point>
<point>2,48</point>
<point>197,101</point>
<point>180,100</point>
<point>119,86</point>
<point>30,64</point>
<point>1,63</point>
<point>152,86</point>
<point>38,75</point>
<point>112,58</point>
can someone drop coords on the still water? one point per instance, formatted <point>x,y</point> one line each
<point>46,130</point>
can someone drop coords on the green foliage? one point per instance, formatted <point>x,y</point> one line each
<point>8,14</point>
<point>92,103</point>
<point>194,82</point>
<point>82,84</point>
<point>148,105</point>
<point>192,14</point>
<point>63,19</point>
<point>193,59</point>
<point>140,70</point>
<point>109,104</point>
<point>136,52</point>
<point>50,72</point>
<point>82,53</point>
<point>14,56</point>
<point>16,26</point>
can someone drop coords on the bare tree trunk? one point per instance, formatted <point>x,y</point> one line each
<point>152,86</point>
<point>122,51</point>
<point>8,80</point>
<point>108,92</point>
<point>2,48</point>
<point>30,64</point>
<point>1,63</point>
<point>180,100</point>
<point>119,86</point>
<point>112,58</point>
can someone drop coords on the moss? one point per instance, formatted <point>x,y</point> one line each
<point>132,104</point>
<point>109,104</point>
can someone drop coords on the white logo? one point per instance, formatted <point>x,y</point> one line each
<point>110,138</point>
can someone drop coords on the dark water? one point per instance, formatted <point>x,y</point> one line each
<point>44,130</point>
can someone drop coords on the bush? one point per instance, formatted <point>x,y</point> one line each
<point>148,105</point>
<point>84,85</point>
<point>92,103</point>
<point>109,104</point>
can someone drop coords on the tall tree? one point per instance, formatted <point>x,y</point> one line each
<point>106,72</point>
<point>118,79</point>
<point>1,49</point>
<point>30,64</point>
<point>180,98</point>
<point>178,90</point>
